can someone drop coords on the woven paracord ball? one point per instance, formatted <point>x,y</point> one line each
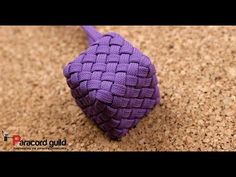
<point>113,83</point>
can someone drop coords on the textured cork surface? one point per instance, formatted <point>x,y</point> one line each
<point>197,78</point>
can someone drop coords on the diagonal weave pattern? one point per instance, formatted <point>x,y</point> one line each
<point>113,83</point>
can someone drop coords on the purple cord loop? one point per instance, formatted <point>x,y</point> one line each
<point>112,82</point>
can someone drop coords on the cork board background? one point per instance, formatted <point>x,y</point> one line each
<point>197,79</point>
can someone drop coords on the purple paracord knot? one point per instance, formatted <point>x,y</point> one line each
<point>112,82</point>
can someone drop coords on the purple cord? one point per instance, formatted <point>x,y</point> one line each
<point>112,82</point>
<point>92,34</point>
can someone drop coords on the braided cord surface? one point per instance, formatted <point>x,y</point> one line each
<point>112,82</point>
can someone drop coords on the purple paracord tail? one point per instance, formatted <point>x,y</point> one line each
<point>112,82</point>
<point>92,33</point>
